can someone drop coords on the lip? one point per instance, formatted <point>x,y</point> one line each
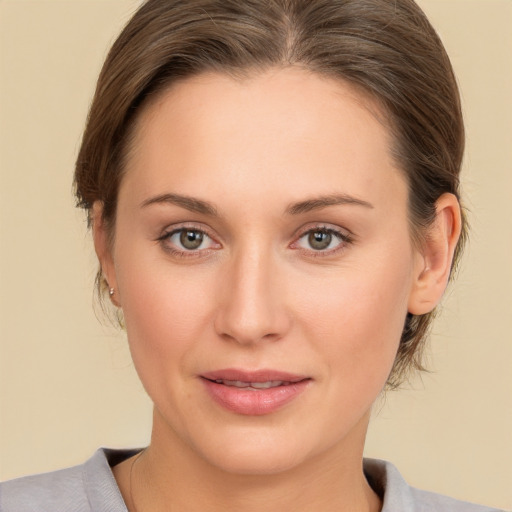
<point>251,401</point>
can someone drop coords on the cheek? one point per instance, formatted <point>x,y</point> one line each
<point>356,319</point>
<point>165,309</point>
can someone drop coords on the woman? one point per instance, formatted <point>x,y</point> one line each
<point>273,193</point>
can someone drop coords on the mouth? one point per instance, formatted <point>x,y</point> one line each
<point>254,393</point>
<point>253,385</point>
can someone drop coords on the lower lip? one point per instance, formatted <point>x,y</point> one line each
<point>254,402</point>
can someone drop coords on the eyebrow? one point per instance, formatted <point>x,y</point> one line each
<point>318,203</point>
<point>189,203</point>
<point>204,207</point>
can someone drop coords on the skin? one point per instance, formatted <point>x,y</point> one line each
<point>257,295</point>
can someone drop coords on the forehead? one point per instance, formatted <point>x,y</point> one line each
<point>288,124</point>
<point>276,89</point>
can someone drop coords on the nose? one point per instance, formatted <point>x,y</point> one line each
<point>252,303</point>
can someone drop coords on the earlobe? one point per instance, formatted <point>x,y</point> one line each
<point>435,257</point>
<point>103,251</point>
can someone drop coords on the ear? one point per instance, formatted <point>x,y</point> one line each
<point>103,250</point>
<point>435,256</point>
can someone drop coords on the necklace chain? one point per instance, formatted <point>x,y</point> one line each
<point>135,459</point>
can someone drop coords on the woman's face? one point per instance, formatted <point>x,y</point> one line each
<point>264,265</point>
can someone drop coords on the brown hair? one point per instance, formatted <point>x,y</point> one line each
<point>386,47</point>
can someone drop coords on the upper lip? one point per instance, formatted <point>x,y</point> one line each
<point>264,375</point>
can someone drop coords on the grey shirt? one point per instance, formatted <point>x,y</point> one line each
<point>91,487</point>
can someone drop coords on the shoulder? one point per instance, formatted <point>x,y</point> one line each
<point>88,487</point>
<point>398,496</point>
<point>430,502</point>
<point>62,490</point>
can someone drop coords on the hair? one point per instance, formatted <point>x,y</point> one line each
<point>386,48</point>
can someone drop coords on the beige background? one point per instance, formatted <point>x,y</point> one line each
<point>67,384</point>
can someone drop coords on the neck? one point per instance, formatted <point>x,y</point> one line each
<point>170,476</point>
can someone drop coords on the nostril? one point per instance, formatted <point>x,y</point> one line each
<point>251,306</point>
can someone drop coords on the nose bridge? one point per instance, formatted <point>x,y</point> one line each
<point>252,307</point>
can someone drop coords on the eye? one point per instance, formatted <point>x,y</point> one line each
<point>187,240</point>
<point>190,239</point>
<point>319,240</point>
<point>323,240</point>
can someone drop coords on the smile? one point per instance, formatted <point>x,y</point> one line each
<point>254,393</point>
<point>253,385</point>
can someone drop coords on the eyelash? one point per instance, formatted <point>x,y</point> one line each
<point>170,248</point>
<point>343,238</point>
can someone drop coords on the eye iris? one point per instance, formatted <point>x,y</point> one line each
<point>191,239</point>
<point>319,240</point>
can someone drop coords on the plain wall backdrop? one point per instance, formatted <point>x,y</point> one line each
<point>67,384</point>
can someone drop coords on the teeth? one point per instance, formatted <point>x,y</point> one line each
<point>255,385</point>
<point>266,385</point>
<point>235,383</point>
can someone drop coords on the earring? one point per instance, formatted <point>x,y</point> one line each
<point>111,291</point>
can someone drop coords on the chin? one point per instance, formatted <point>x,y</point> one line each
<point>248,460</point>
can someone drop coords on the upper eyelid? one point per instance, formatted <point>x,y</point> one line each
<point>342,232</point>
<point>326,226</point>
<point>164,237</point>
<point>344,235</point>
<point>175,228</point>
<point>343,238</point>
<point>164,241</point>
